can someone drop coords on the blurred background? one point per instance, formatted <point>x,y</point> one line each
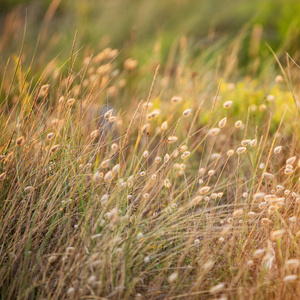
<point>151,30</point>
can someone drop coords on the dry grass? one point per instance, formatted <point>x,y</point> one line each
<point>192,193</point>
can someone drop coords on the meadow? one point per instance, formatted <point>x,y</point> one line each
<point>167,168</point>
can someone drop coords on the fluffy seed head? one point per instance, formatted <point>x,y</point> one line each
<point>203,190</point>
<point>105,163</point>
<point>108,176</point>
<point>145,129</point>
<point>290,278</point>
<point>258,195</point>
<point>94,133</point>
<point>52,259</point>
<point>258,253</point>
<point>288,171</point>
<point>291,160</point>
<point>270,98</point>
<point>238,124</point>
<point>3,176</point>
<point>292,264</point>
<point>277,149</point>
<point>71,101</point>
<point>213,131</point>
<point>112,119</point>
<point>241,150</point>
<point>130,64</point>
<point>154,114</point>
<point>266,221</point>
<point>70,292</point>
<point>251,214</point>
<point>166,158</point>
<point>164,126</point>
<point>253,143</point>
<point>227,104</point>
<point>237,213</point>
<point>108,114</point>
<point>28,189</point>
<point>116,169</point>
<point>172,139</point>
<point>158,159</point>
<point>230,152</point>
<point>54,148</point>
<point>277,234</point>
<point>20,141</point>
<point>50,135</point>
<point>211,172</point>
<point>176,99</point>
<point>167,183</point>
<point>217,288</point>
<point>267,175</point>
<point>173,277</point>
<point>187,112</point>
<point>222,123</point>
<point>245,143</point>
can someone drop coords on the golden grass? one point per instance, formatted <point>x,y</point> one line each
<point>188,195</point>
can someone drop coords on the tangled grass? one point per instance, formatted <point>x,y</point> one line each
<point>191,193</point>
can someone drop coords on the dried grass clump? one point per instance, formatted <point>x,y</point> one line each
<point>110,196</point>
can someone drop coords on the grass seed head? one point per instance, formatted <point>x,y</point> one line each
<point>164,126</point>
<point>237,213</point>
<point>104,164</point>
<point>230,152</point>
<point>145,129</point>
<point>20,141</point>
<point>291,160</point>
<point>253,143</point>
<point>173,277</point>
<point>172,139</point>
<point>158,159</point>
<point>54,148</point>
<point>241,150</point>
<point>217,288</point>
<point>108,176</point>
<point>3,176</point>
<point>204,190</point>
<point>290,278</point>
<point>292,264</point>
<point>94,133</point>
<point>176,99</point>
<point>277,234</point>
<point>227,104</point>
<point>29,189</point>
<point>213,131</point>
<point>71,292</point>
<point>277,149</point>
<point>50,135</point>
<point>52,259</point>
<point>108,114</point>
<point>71,101</point>
<point>222,123</point>
<point>245,143</point>
<point>187,112</point>
<point>288,171</point>
<point>116,169</point>
<point>238,124</point>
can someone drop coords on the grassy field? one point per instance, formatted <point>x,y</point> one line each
<point>160,166</point>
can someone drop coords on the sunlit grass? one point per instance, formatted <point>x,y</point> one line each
<point>186,189</point>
